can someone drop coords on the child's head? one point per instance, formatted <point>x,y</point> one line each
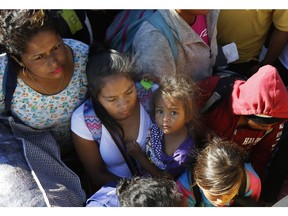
<point>111,84</point>
<point>148,192</point>
<point>172,103</point>
<point>105,65</point>
<point>219,170</point>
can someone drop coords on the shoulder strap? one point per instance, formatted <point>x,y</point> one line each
<point>243,186</point>
<point>92,122</point>
<point>221,92</point>
<point>241,201</point>
<point>120,34</point>
<point>9,84</point>
<point>197,194</point>
<point>159,23</point>
<point>195,188</point>
<point>130,161</point>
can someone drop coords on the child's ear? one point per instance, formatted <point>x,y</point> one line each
<point>18,61</point>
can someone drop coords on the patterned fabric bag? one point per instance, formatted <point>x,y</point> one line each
<point>31,171</point>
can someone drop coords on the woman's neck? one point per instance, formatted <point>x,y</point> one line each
<point>190,19</point>
<point>131,124</point>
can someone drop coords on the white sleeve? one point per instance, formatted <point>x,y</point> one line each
<point>78,125</point>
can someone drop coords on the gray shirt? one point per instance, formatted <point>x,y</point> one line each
<point>195,58</point>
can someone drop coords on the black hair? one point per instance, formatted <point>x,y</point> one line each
<point>17,27</point>
<point>106,63</point>
<point>148,192</point>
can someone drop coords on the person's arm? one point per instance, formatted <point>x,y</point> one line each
<point>262,152</point>
<point>277,43</point>
<point>92,162</point>
<point>133,149</point>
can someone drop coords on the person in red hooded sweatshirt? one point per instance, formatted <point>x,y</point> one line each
<point>253,116</point>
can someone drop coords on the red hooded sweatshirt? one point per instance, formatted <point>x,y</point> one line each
<point>262,93</point>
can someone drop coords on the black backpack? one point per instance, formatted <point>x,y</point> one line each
<point>88,26</point>
<point>222,90</point>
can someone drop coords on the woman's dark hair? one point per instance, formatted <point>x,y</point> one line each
<point>17,27</point>
<point>102,64</point>
<point>219,166</point>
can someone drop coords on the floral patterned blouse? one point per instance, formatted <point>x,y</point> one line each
<point>51,111</point>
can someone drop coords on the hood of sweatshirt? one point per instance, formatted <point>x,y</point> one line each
<point>263,93</point>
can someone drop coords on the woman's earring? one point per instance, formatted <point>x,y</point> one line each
<point>23,71</point>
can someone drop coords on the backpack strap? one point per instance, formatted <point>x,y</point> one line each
<point>241,201</point>
<point>9,84</point>
<point>197,194</point>
<point>92,122</point>
<point>222,91</point>
<point>195,189</point>
<point>120,34</point>
<point>130,161</point>
<point>159,23</point>
<point>243,186</point>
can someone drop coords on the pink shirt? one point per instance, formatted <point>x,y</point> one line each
<point>200,27</point>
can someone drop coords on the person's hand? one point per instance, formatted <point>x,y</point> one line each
<point>133,149</point>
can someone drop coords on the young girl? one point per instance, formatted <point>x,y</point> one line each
<point>116,111</point>
<point>170,142</point>
<point>218,176</point>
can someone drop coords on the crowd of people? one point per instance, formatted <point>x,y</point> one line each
<point>199,119</point>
